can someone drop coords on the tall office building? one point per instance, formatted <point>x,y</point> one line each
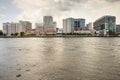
<point>117,28</point>
<point>47,20</point>
<point>68,25</point>
<point>11,28</point>
<point>89,26</point>
<point>49,26</point>
<point>25,25</point>
<point>39,28</point>
<point>71,24</point>
<point>104,24</point>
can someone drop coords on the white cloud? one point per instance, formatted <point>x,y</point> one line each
<point>3,7</point>
<point>34,10</point>
<point>2,16</point>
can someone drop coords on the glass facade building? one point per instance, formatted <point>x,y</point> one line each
<point>49,26</point>
<point>48,20</point>
<point>105,24</point>
<point>118,28</point>
<point>78,23</point>
<point>71,24</point>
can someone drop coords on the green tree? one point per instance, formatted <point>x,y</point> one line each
<point>110,32</point>
<point>1,33</point>
<point>4,34</point>
<point>22,33</point>
<point>12,34</point>
<point>16,34</point>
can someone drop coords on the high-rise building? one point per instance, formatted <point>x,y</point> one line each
<point>49,26</point>
<point>11,28</point>
<point>68,25</point>
<point>105,24</point>
<point>25,25</point>
<point>117,28</point>
<point>47,20</point>
<point>71,24</point>
<point>89,26</point>
<point>39,28</point>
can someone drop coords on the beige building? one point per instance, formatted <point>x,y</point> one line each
<point>11,28</point>
<point>25,25</point>
<point>39,28</point>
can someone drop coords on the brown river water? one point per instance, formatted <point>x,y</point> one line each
<point>84,58</point>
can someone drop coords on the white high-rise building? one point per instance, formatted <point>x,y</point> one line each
<point>11,28</point>
<point>71,25</point>
<point>25,25</point>
<point>49,26</point>
<point>68,26</point>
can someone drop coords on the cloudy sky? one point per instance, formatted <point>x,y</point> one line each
<point>34,10</point>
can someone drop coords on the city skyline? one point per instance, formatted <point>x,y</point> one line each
<point>15,10</point>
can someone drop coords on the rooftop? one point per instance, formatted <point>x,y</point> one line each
<point>104,17</point>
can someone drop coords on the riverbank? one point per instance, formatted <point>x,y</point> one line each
<point>65,36</point>
<point>55,36</point>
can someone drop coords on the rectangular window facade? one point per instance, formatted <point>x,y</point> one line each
<point>105,22</point>
<point>110,23</point>
<point>76,25</point>
<point>102,26</point>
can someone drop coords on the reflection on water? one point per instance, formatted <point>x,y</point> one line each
<point>60,59</point>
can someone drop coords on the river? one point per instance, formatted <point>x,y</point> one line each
<point>83,58</point>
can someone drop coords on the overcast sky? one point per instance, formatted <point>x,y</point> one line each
<point>34,10</point>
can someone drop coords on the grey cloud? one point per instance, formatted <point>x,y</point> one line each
<point>68,5</point>
<point>113,1</point>
<point>40,8</point>
<point>63,5</point>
